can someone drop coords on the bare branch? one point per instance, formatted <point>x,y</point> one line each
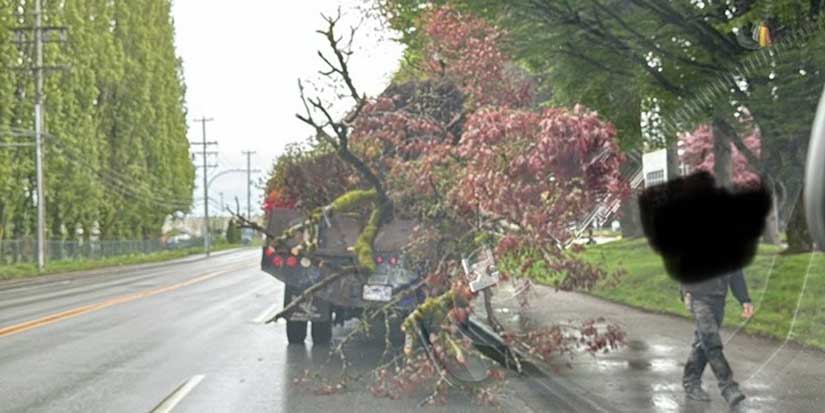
<point>309,292</point>
<point>341,56</point>
<point>246,223</point>
<point>488,308</point>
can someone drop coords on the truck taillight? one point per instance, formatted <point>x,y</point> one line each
<point>393,260</point>
<point>278,261</point>
<point>379,259</point>
<point>292,261</point>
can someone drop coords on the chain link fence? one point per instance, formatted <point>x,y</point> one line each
<point>24,251</point>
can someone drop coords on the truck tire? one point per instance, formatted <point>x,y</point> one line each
<point>379,333</point>
<point>321,332</point>
<point>296,331</point>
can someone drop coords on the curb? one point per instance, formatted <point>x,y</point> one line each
<point>561,393</point>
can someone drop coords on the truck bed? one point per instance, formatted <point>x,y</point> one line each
<point>337,236</point>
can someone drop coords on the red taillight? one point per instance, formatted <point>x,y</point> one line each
<point>393,260</point>
<point>268,251</point>
<point>379,259</point>
<point>278,261</point>
<point>292,261</point>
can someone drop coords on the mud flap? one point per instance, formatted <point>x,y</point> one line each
<point>313,309</point>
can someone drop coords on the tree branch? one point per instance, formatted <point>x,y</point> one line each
<point>341,56</point>
<point>309,292</point>
<point>341,129</point>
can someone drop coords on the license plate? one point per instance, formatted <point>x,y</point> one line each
<point>372,292</point>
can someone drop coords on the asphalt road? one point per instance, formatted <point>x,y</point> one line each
<point>185,335</point>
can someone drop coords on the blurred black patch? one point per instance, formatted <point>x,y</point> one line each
<point>700,230</point>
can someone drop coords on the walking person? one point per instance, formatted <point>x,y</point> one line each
<point>706,302</point>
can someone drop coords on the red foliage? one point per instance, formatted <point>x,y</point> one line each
<point>417,371</point>
<point>697,153</point>
<point>590,336</point>
<point>466,49</point>
<point>278,199</point>
<point>539,171</point>
<point>307,179</point>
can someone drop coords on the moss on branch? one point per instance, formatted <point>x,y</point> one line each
<point>364,244</point>
<point>347,202</point>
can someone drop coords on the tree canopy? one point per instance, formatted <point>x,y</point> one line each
<point>660,69</point>
<point>116,153</point>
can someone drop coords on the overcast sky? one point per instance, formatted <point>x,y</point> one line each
<point>241,61</point>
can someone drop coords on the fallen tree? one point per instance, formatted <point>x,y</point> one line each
<point>475,166</point>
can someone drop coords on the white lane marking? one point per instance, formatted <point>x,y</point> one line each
<point>266,314</point>
<point>173,399</point>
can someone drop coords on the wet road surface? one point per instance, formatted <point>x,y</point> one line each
<point>187,336</point>
<point>124,340</point>
<point>645,375</point>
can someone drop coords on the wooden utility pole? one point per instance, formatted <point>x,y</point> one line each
<point>42,34</point>
<point>249,183</point>
<point>205,165</point>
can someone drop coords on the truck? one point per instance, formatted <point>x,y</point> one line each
<point>350,296</point>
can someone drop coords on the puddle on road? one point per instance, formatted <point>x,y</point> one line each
<point>665,403</point>
<point>637,345</point>
<point>658,365</point>
<point>661,349</point>
<point>666,387</point>
<point>638,364</point>
<point>643,346</point>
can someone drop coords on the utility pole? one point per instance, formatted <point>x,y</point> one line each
<point>41,35</point>
<point>248,183</point>
<point>38,137</point>
<point>205,154</point>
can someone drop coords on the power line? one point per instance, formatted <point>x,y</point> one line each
<point>118,186</point>
<point>125,184</point>
<point>137,189</point>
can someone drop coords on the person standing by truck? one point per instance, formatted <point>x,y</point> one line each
<point>706,302</point>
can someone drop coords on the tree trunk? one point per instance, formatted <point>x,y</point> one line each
<point>771,235</point>
<point>56,232</point>
<point>630,220</point>
<point>799,238</point>
<point>722,164</point>
<point>673,170</point>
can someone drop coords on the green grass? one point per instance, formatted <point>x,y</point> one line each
<point>608,233</point>
<point>775,283</point>
<point>14,271</point>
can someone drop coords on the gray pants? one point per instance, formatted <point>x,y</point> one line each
<point>708,312</point>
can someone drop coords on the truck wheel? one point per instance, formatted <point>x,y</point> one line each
<point>321,332</point>
<point>379,330</point>
<point>296,331</point>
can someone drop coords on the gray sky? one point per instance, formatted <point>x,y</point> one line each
<point>241,61</point>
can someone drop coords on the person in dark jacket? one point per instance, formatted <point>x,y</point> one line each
<point>706,301</point>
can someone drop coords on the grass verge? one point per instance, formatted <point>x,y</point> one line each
<point>15,271</point>
<point>786,305</point>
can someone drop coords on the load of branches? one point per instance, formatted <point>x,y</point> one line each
<point>461,150</point>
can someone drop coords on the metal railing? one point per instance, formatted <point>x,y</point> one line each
<point>24,251</point>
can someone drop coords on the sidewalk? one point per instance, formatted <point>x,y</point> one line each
<point>645,375</point>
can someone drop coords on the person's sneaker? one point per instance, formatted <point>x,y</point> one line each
<point>697,393</point>
<point>733,395</point>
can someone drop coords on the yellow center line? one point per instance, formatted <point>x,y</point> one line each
<point>64,315</point>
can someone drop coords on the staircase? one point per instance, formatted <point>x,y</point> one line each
<point>608,206</point>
